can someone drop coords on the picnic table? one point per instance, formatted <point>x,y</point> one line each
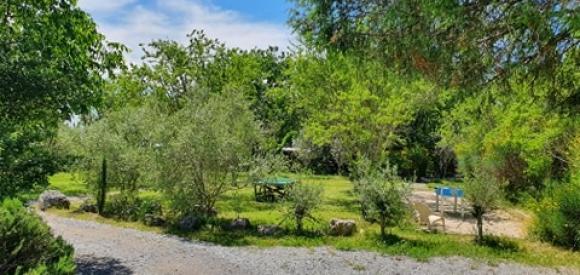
<point>270,189</point>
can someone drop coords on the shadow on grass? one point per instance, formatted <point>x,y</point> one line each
<point>500,244</point>
<point>396,240</point>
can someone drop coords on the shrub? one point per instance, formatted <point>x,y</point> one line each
<point>27,245</point>
<point>130,208</point>
<point>383,195</point>
<point>558,217</point>
<point>303,199</point>
<point>123,207</point>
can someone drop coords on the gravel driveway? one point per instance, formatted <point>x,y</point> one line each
<point>105,249</point>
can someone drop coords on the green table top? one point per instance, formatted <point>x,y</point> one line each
<point>276,181</point>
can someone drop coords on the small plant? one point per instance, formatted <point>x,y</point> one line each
<point>483,192</point>
<point>237,202</point>
<point>383,195</point>
<point>303,199</point>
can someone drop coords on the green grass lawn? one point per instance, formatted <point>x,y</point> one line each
<point>68,184</point>
<point>339,202</point>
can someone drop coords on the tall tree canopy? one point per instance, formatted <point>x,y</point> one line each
<point>52,64</point>
<point>454,42</point>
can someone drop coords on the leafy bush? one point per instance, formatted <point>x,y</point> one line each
<point>303,199</point>
<point>383,194</point>
<point>123,207</point>
<point>27,245</point>
<point>131,208</point>
<point>558,217</point>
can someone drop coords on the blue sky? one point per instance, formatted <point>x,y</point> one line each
<point>239,23</point>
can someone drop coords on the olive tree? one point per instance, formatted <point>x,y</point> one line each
<point>383,194</point>
<point>483,192</point>
<point>208,142</point>
<point>116,151</point>
<point>302,200</point>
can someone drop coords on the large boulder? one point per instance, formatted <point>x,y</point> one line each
<point>269,229</point>
<point>340,227</point>
<point>52,198</point>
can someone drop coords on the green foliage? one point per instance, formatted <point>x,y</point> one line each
<point>123,143</point>
<point>507,81</point>
<point>174,73</point>
<point>452,42</point>
<point>129,208</point>
<point>211,141</point>
<point>52,63</point>
<point>28,246</point>
<point>483,192</point>
<point>518,134</point>
<point>558,216</point>
<point>383,194</point>
<point>302,200</point>
<point>360,109</point>
<point>26,160</point>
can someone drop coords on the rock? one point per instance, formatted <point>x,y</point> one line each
<point>340,227</point>
<point>52,198</point>
<point>190,223</point>
<point>269,229</point>
<point>153,220</point>
<point>88,206</point>
<point>240,224</point>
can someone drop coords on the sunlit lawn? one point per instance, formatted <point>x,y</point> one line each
<point>339,202</point>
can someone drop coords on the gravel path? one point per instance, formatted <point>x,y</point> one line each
<point>105,249</point>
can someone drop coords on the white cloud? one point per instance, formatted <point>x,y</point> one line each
<point>104,5</point>
<point>132,24</point>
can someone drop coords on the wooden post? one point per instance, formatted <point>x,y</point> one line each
<point>437,199</point>
<point>455,200</point>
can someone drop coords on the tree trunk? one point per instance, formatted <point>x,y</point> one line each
<point>299,225</point>
<point>480,228</point>
<point>383,224</point>
<point>102,189</point>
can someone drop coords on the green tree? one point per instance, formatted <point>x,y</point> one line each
<point>483,192</point>
<point>383,194</point>
<point>462,43</point>
<point>174,73</point>
<point>210,142</point>
<point>357,108</point>
<point>116,151</point>
<point>52,65</point>
<point>506,70</point>
<point>302,200</point>
<point>522,137</point>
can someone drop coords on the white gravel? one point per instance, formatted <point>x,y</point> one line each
<point>105,249</point>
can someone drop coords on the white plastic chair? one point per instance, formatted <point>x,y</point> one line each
<point>427,217</point>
